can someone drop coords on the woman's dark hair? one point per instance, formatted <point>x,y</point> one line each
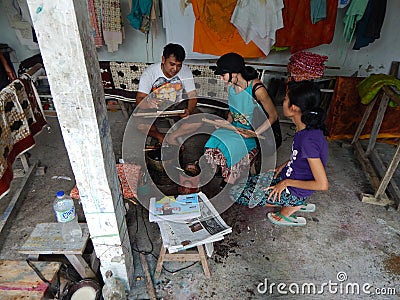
<point>249,73</point>
<point>307,96</point>
<point>176,50</point>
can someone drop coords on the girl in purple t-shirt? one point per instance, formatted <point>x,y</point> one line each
<point>293,182</point>
<point>296,179</point>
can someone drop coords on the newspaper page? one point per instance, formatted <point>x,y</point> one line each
<point>207,228</point>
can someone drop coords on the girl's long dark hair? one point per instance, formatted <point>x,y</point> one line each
<point>249,73</point>
<point>307,96</point>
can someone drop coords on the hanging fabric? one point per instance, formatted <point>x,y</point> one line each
<point>369,27</point>
<point>112,24</point>
<point>95,20</point>
<point>178,21</point>
<point>139,17</point>
<point>213,32</point>
<point>258,21</point>
<point>353,15</point>
<point>299,33</point>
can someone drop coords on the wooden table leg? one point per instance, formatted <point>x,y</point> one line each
<point>203,260</point>
<point>160,262</point>
<point>81,266</point>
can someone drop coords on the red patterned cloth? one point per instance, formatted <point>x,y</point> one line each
<point>129,175</point>
<point>306,66</point>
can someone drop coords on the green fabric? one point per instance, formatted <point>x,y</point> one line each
<point>354,14</point>
<point>370,86</point>
<point>318,10</point>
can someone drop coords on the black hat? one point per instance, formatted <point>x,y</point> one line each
<point>230,63</point>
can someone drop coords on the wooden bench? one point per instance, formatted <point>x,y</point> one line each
<point>46,239</point>
<point>186,255</point>
<point>19,281</point>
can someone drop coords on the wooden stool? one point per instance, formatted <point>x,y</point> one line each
<point>46,239</point>
<point>187,255</point>
<point>19,281</point>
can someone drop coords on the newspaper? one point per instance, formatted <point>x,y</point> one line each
<point>207,228</point>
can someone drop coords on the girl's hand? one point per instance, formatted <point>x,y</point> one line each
<point>277,170</point>
<point>276,190</point>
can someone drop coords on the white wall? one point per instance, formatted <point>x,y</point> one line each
<point>375,58</point>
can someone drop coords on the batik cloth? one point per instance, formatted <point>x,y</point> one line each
<point>251,192</point>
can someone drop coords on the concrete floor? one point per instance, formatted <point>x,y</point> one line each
<point>344,242</point>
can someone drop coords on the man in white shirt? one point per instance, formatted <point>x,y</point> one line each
<point>166,82</point>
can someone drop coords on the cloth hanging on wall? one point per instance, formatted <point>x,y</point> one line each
<point>298,32</point>
<point>369,27</point>
<point>95,20</point>
<point>112,24</point>
<point>353,15</point>
<point>258,21</point>
<point>179,27</point>
<point>213,32</point>
<point>318,10</point>
<point>139,17</point>
<point>106,21</point>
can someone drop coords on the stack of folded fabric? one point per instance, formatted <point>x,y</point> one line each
<point>306,66</point>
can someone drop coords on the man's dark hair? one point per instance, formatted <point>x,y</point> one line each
<point>176,50</point>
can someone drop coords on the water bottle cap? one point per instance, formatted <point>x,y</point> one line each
<point>60,193</point>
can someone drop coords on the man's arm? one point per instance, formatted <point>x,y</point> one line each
<point>192,102</point>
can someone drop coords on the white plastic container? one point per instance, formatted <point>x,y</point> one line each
<point>65,213</point>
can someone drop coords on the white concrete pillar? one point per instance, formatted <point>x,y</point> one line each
<point>70,59</point>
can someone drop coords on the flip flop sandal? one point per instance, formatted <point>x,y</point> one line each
<point>287,221</point>
<point>309,207</point>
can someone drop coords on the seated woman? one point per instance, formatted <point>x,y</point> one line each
<point>233,150</point>
<point>295,180</point>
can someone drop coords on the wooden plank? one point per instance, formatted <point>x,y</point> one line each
<point>17,195</point>
<point>371,199</point>
<point>366,165</point>
<point>149,282</point>
<point>19,281</point>
<point>377,123</point>
<point>203,260</point>
<point>81,266</point>
<point>381,169</point>
<point>389,173</point>
<point>187,255</point>
<point>160,262</point>
<point>364,120</point>
<point>46,239</point>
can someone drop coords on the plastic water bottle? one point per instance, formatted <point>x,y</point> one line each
<point>65,213</point>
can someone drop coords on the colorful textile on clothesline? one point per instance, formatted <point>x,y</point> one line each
<point>370,86</point>
<point>215,34</point>
<point>21,118</point>
<point>298,32</point>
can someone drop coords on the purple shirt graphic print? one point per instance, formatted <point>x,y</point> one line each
<point>306,144</point>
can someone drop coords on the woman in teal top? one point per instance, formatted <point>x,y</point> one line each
<point>233,150</point>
